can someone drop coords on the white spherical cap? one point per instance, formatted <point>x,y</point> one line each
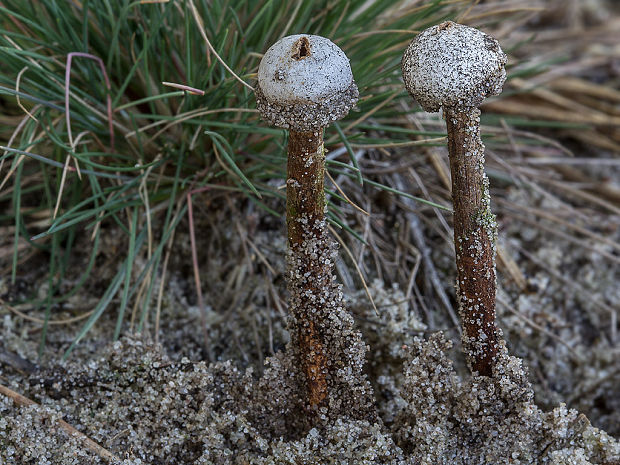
<point>305,82</point>
<point>453,66</point>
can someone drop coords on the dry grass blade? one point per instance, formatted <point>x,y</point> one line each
<point>260,255</point>
<point>66,321</point>
<point>507,264</point>
<point>201,29</point>
<point>67,93</point>
<point>567,237</point>
<point>605,309</point>
<point>582,195</point>
<point>70,430</point>
<point>181,118</point>
<point>17,98</point>
<point>191,90</point>
<point>542,110</point>
<point>576,87</point>
<point>556,219</point>
<point>540,328</point>
<point>349,201</point>
<point>357,268</point>
<point>164,270</point>
<point>192,236</point>
<point>392,145</point>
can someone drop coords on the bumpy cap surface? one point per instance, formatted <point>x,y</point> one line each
<point>304,83</point>
<point>453,66</point>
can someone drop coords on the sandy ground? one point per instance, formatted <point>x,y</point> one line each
<point>150,403</point>
<point>234,394</point>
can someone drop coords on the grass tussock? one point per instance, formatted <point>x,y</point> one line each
<point>115,113</point>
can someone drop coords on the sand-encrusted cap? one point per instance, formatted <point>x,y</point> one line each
<point>304,83</point>
<point>453,66</point>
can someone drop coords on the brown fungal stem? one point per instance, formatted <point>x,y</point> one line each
<point>474,239</point>
<point>305,181</point>
<point>305,219</point>
<point>305,83</point>
<point>455,67</point>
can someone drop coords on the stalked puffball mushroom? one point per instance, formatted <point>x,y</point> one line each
<point>304,83</point>
<point>455,67</point>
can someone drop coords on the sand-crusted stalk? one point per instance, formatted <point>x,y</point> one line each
<point>475,235</point>
<point>305,198</point>
<point>305,83</point>
<point>455,67</point>
<point>305,219</point>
